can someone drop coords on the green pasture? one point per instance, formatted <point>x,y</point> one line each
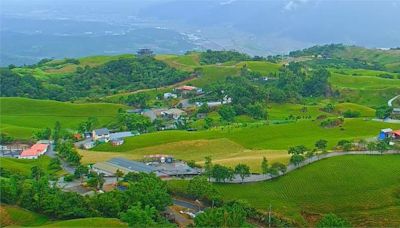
<point>213,74</point>
<point>262,67</point>
<point>359,72</point>
<point>256,136</point>
<point>365,82</point>
<point>22,116</point>
<point>23,166</point>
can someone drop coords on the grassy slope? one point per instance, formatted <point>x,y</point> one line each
<point>358,188</point>
<point>366,90</point>
<point>58,67</point>
<point>21,116</point>
<point>23,166</point>
<point>88,222</point>
<point>275,137</point>
<point>16,216</point>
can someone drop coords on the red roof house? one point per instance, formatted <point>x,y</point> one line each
<point>396,134</point>
<point>187,88</point>
<point>34,152</point>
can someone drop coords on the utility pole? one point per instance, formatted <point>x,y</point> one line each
<point>269,216</point>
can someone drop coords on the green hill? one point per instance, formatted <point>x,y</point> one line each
<point>21,116</point>
<point>362,189</point>
<point>16,216</point>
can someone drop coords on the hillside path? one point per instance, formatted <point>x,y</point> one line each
<point>291,167</point>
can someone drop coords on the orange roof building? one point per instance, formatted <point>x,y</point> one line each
<point>396,134</point>
<point>34,152</point>
<point>187,88</point>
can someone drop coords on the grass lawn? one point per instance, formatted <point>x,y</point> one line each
<point>360,188</point>
<point>23,166</point>
<point>16,216</point>
<point>20,117</point>
<point>89,222</point>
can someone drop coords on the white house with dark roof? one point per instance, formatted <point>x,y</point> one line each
<point>102,134</point>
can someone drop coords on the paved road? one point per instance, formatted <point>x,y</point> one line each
<point>187,204</point>
<point>291,167</point>
<point>64,165</point>
<point>391,100</point>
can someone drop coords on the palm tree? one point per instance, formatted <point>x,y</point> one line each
<point>119,174</point>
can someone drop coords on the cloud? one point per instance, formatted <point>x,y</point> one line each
<point>227,2</point>
<point>294,4</point>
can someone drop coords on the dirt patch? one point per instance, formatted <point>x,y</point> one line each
<point>5,219</point>
<point>311,218</point>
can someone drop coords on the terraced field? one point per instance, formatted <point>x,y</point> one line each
<point>362,189</point>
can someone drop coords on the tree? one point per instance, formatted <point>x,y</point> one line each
<point>242,170</point>
<point>208,166</point>
<point>80,171</point>
<point>371,146</point>
<point>56,132</point>
<point>329,108</point>
<point>382,146</point>
<point>297,149</point>
<point>149,190</point>
<point>36,172</point>
<point>222,173</point>
<point>140,216</point>
<point>296,159</point>
<point>264,166</point>
<point>119,174</point>
<point>55,164</point>
<point>383,112</point>
<point>321,144</point>
<point>332,220</point>
<point>201,188</point>
<point>5,139</point>
<point>204,108</point>
<point>230,215</point>
<point>227,113</point>
<point>43,134</point>
<point>208,122</point>
<point>277,167</point>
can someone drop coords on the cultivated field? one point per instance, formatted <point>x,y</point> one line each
<point>363,189</point>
